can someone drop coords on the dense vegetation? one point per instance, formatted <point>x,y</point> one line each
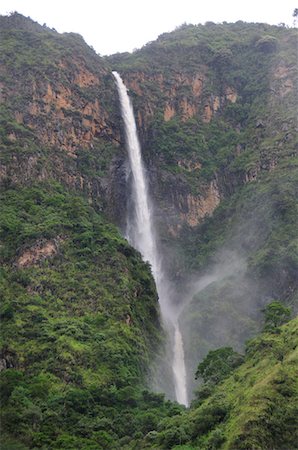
<point>78,326</point>
<point>253,406</point>
<point>245,255</point>
<point>80,329</point>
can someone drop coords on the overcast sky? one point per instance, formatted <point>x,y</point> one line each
<point>112,26</point>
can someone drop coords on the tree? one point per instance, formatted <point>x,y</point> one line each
<point>275,315</point>
<point>218,364</point>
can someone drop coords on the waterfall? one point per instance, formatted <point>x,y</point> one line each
<point>141,235</point>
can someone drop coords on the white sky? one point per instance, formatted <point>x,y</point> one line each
<point>112,26</point>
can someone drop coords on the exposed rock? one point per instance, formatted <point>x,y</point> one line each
<point>12,137</point>
<point>252,174</point>
<point>207,114</point>
<point>174,230</point>
<point>8,359</point>
<point>197,85</point>
<point>134,84</point>
<point>60,97</point>
<point>169,112</point>
<point>260,124</point>
<point>199,207</point>
<point>128,320</point>
<point>189,165</point>
<point>282,80</point>
<point>85,78</point>
<point>74,107</point>
<point>188,110</point>
<point>38,252</point>
<point>211,108</point>
<point>185,208</point>
<point>231,95</point>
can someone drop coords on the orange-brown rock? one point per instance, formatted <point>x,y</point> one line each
<point>231,94</point>
<point>169,112</point>
<point>12,137</point>
<point>173,230</point>
<point>60,97</point>
<point>197,85</point>
<point>188,110</point>
<point>38,252</point>
<point>84,78</point>
<point>19,117</point>
<point>60,106</point>
<point>188,165</point>
<point>282,80</point>
<point>200,207</point>
<point>215,103</point>
<point>211,107</point>
<point>134,81</point>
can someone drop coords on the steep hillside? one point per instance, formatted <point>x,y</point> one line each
<point>254,408</point>
<point>56,111</point>
<point>79,326</point>
<point>216,107</point>
<point>216,112</point>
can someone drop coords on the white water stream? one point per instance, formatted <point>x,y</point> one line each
<point>141,235</point>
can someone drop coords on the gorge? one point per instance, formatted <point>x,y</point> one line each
<point>140,233</point>
<point>202,182</point>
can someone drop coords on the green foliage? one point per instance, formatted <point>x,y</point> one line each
<point>75,367</point>
<point>267,44</point>
<point>80,323</point>
<point>218,364</point>
<point>253,407</point>
<point>275,314</point>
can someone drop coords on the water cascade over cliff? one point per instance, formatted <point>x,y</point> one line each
<point>141,234</point>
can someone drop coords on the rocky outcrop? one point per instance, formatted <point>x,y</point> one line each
<point>169,112</point>
<point>41,250</point>
<point>61,117</point>
<point>197,208</point>
<point>191,209</point>
<point>170,92</point>
<point>71,105</point>
<point>282,80</point>
<point>185,208</point>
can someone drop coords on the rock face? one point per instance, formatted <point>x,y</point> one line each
<point>198,208</point>
<point>58,112</point>
<point>38,252</point>
<point>174,98</point>
<point>62,100</point>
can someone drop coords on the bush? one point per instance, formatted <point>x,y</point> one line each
<point>275,315</point>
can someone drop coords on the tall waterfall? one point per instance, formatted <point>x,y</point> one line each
<point>141,235</point>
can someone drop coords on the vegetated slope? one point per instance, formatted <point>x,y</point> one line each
<point>251,248</point>
<point>215,107</point>
<point>58,101</point>
<point>254,408</point>
<point>79,325</point>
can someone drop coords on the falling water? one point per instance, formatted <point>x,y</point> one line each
<point>141,235</point>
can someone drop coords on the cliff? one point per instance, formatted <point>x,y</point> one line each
<point>216,113</point>
<point>187,87</point>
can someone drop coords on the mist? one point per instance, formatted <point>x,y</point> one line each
<point>221,305</point>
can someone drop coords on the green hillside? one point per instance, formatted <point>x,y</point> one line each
<point>254,408</point>
<point>79,325</point>
<point>82,343</point>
